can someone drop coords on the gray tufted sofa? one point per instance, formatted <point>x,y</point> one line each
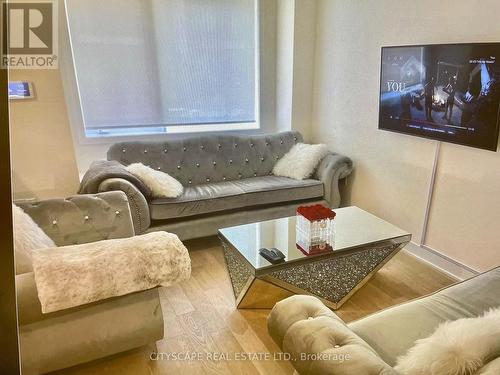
<point>320,343</point>
<point>68,337</point>
<point>227,180</point>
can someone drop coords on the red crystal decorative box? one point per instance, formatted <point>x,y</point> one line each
<point>315,229</point>
<point>316,212</point>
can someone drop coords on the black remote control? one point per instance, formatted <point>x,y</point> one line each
<point>272,255</point>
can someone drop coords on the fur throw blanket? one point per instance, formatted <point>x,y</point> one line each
<point>460,347</point>
<point>75,275</point>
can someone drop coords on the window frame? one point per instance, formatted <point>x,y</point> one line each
<point>96,136</point>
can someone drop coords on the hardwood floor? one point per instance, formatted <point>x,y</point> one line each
<point>201,319</point>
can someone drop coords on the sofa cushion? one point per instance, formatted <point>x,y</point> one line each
<point>230,195</point>
<point>467,299</point>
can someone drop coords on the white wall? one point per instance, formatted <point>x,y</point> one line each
<point>392,171</point>
<point>304,37</point>
<point>43,156</point>
<point>284,21</point>
<point>295,43</point>
<point>43,159</point>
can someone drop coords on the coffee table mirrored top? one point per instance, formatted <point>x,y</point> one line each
<point>363,244</point>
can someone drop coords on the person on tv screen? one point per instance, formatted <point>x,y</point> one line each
<point>450,89</point>
<point>429,98</point>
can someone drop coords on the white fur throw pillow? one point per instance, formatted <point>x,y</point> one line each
<point>459,347</point>
<point>28,236</point>
<point>300,162</point>
<point>161,184</point>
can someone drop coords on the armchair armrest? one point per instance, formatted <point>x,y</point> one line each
<point>83,218</point>
<point>331,169</point>
<point>319,342</point>
<point>138,203</point>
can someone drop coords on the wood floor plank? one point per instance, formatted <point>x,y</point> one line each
<point>201,317</point>
<point>228,344</point>
<point>243,333</point>
<point>179,345</point>
<point>257,320</point>
<point>199,337</point>
<point>177,299</point>
<point>171,324</point>
<point>194,291</point>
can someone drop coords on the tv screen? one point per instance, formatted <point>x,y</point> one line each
<point>448,92</point>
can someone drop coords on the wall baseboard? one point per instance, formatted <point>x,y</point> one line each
<point>441,261</point>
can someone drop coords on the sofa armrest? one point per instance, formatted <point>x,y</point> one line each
<point>83,218</point>
<point>138,203</point>
<point>331,169</point>
<point>319,342</point>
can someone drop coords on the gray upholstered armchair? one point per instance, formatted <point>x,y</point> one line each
<point>227,181</point>
<point>80,334</point>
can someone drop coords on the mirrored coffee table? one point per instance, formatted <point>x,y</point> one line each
<point>363,244</point>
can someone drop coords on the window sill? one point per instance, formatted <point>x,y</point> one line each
<point>141,133</point>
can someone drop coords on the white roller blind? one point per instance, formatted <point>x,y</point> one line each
<point>151,63</point>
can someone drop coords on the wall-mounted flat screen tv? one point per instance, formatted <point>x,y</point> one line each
<point>448,92</point>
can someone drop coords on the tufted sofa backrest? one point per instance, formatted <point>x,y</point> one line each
<point>208,158</point>
<point>83,218</point>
